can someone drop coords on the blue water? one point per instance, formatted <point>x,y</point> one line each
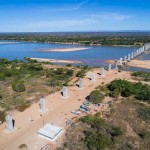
<point>94,56</point>
<point>146,57</point>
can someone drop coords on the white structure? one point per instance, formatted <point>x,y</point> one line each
<point>135,54</point>
<point>65,92</point>
<point>42,104</point>
<point>116,66</point>
<point>50,132</point>
<point>129,57</point>
<point>109,67</point>
<point>138,52</point>
<point>143,48</point>
<point>9,123</point>
<point>93,77</point>
<point>121,61</point>
<point>102,72</point>
<point>81,83</point>
<point>125,58</point>
<point>132,55</point>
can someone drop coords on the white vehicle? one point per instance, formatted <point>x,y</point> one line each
<point>76,112</point>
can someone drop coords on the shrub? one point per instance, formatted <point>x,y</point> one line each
<point>4,61</point>
<point>116,131</point>
<point>126,89</point>
<point>69,72</point>
<point>142,74</point>
<point>96,96</point>
<point>144,113</point>
<point>81,74</point>
<point>2,116</point>
<point>144,134</point>
<point>18,86</point>
<point>99,134</point>
<point>68,65</point>
<point>2,76</point>
<point>144,94</point>
<point>23,106</point>
<point>34,67</point>
<point>115,94</point>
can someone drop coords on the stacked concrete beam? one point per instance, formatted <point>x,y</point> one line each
<point>129,57</point>
<point>140,51</point>
<point>93,77</point>
<point>135,54</point>
<point>121,61</point>
<point>42,104</point>
<point>109,67</point>
<point>125,59</point>
<point>143,49</point>
<point>132,55</point>
<point>65,92</point>
<point>81,83</point>
<point>9,123</point>
<point>102,72</point>
<point>116,66</point>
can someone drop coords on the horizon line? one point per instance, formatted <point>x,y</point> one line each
<point>75,31</point>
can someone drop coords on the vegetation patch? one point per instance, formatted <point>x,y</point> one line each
<point>18,86</point>
<point>23,82</point>
<point>96,97</point>
<point>144,113</point>
<point>125,88</point>
<point>97,134</point>
<point>99,38</point>
<point>141,75</point>
<point>2,116</point>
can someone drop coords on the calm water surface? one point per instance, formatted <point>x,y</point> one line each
<point>94,56</point>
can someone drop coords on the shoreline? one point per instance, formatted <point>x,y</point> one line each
<point>77,43</point>
<point>3,43</point>
<point>56,60</point>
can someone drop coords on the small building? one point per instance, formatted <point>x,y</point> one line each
<point>50,132</point>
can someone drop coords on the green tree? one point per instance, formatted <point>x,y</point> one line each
<point>18,86</point>
<point>96,96</point>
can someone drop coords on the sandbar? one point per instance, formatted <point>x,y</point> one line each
<point>64,49</point>
<point>1,43</point>
<point>139,63</point>
<point>56,60</point>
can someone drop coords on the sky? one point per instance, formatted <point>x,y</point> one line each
<point>74,15</point>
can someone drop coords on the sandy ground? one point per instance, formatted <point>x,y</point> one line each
<point>134,63</point>
<point>59,111</point>
<point>64,49</point>
<point>109,61</point>
<point>140,63</point>
<point>56,61</point>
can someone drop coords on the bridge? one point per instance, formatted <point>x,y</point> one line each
<point>133,55</point>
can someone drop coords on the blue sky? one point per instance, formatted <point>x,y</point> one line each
<point>74,15</point>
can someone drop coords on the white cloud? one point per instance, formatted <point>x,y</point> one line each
<point>80,4</point>
<point>76,23</point>
<point>68,8</point>
<point>111,16</point>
